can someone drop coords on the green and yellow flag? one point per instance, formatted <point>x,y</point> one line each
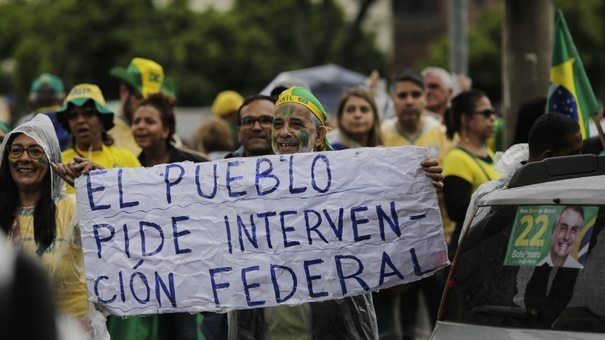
<point>570,92</point>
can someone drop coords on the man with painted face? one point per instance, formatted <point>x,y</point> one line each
<point>299,126</point>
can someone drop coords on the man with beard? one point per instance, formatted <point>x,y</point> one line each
<point>299,126</point>
<point>141,78</point>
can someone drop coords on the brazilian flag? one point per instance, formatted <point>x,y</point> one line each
<point>570,92</point>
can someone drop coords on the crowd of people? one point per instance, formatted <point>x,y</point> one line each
<point>71,133</point>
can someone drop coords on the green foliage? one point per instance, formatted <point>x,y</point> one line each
<point>484,52</point>
<point>202,53</point>
<point>585,22</point>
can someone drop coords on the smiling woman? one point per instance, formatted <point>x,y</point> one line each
<point>39,218</point>
<point>87,119</point>
<point>153,126</point>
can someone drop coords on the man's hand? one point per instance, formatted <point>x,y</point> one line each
<point>433,170</point>
<point>75,168</point>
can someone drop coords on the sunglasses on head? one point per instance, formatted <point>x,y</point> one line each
<point>487,112</point>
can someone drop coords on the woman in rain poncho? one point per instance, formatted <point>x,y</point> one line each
<point>38,217</point>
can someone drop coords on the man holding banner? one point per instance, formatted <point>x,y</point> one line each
<point>298,127</point>
<point>313,230</point>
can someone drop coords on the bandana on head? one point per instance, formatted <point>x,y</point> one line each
<point>302,96</point>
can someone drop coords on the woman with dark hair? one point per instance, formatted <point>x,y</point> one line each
<point>39,218</point>
<point>87,119</point>
<point>470,163</point>
<point>358,121</point>
<point>153,125</point>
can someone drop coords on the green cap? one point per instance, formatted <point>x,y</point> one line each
<point>46,82</point>
<point>81,94</point>
<point>145,76</point>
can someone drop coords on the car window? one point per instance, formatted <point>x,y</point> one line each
<point>531,267</point>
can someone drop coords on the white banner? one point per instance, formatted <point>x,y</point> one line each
<point>259,231</point>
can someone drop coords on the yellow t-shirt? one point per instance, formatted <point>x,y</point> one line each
<point>472,169</point>
<point>108,157</point>
<point>122,136</point>
<point>433,137</point>
<point>63,260</point>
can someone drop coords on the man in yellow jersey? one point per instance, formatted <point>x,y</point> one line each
<point>412,125</point>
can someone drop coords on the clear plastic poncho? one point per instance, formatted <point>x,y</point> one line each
<point>63,260</point>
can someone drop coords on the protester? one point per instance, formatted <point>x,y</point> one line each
<point>141,78</point>
<point>87,119</point>
<point>552,135</point>
<point>358,121</point>
<point>413,126</point>
<point>255,120</point>
<point>46,96</point>
<point>470,164</point>
<point>214,138</point>
<point>40,219</point>
<point>153,126</point>
<point>299,126</point>
<point>225,106</point>
<point>439,90</point>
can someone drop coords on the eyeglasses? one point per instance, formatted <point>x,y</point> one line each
<point>264,121</point>
<point>487,112</point>
<point>86,113</point>
<point>34,151</point>
<point>404,95</point>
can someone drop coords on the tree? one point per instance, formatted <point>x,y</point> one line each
<point>584,19</point>
<point>242,49</point>
<point>485,46</point>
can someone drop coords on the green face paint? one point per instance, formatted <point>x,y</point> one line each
<point>42,161</point>
<point>286,110</point>
<point>303,137</point>
<point>273,140</point>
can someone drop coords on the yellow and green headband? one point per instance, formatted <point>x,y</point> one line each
<point>302,96</point>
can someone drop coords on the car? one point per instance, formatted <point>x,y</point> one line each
<point>531,263</point>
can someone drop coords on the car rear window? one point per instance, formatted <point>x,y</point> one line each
<point>531,267</point>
